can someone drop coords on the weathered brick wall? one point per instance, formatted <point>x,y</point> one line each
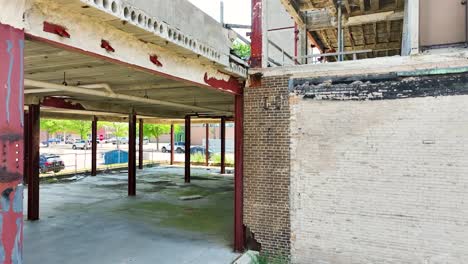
<point>267,164</point>
<point>379,181</point>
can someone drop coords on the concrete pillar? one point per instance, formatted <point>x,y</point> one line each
<point>187,148</point>
<point>94,138</point>
<point>172,144</point>
<point>140,145</point>
<point>33,161</point>
<point>132,154</point>
<point>410,39</point>
<point>223,145</point>
<point>207,145</point>
<point>239,232</point>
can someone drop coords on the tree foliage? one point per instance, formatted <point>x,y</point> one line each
<point>83,128</point>
<point>241,50</point>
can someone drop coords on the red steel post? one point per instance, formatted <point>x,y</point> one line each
<point>140,145</point>
<point>257,35</point>
<point>187,148</point>
<point>33,162</point>
<point>239,232</point>
<point>11,143</point>
<point>94,139</point>
<point>207,145</point>
<point>172,144</point>
<point>223,145</point>
<point>132,154</point>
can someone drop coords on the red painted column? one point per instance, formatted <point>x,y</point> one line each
<point>11,143</point>
<point>140,145</point>
<point>187,148</point>
<point>256,35</point>
<point>172,144</point>
<point>239,233</point>
<point>223,145</point>
<point>132,154</point>
<point>207,145</point>
<point>94,146</point>
<point>33,161</point>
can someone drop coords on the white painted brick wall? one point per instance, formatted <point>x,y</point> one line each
<point>380,181</point>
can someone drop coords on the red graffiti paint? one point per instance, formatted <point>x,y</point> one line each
<point>232,85</point>
<point>107,46</point>
<point>11,140</point>
<point>56,29</point>
<point>155,60</point>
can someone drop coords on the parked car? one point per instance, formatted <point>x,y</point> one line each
<point>53,140</point>
<point>71,140</point>
<point>48,163</point>
<point>110,140</point>
<point>178,146</point>
<point>120,141</point>
<point>145,140</point>
<point>199,149</point>
<point>82,144</point>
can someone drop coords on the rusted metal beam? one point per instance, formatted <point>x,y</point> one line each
<point>207,145</point>
<point>94,138</point>
<point>140,144</point>
<point>257,35</point>
<point>33,161</point>
<point>172,145</point>
<point>239,232</point>
<point>187,148</point>
<point>132,154</point>
<point>223,145</point>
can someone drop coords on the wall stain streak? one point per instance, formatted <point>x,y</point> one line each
<point>384,88</point>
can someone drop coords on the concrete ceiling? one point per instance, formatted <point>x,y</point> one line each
<point>51,64</point>
<point>375,25</point>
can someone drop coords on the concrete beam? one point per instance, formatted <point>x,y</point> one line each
<point>294,9</point>
<point>320,20</point>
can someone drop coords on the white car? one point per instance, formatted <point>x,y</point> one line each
<point>81,144</point>
<point>178,146</point>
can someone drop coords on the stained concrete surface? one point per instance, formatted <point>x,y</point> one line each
<point>91,220</point>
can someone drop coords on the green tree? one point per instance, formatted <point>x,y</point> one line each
<point>241,50</point>
<point>157,130</point>
<point>52,126</point>
<point>83,128</point>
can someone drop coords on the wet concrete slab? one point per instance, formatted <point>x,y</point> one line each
<point>92,220</point>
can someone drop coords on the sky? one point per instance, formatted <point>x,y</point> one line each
<point>235,11</point>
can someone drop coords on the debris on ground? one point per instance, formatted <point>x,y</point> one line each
<point>191,197</point>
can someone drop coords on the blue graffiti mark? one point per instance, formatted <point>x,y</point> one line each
<point>5,199</point>
<point>18,200</point>
<point>17,256</point>
<point>21,82</point>
<point>2,250</point>
<point>10,71</point>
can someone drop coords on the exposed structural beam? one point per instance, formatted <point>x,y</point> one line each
<point>33,161</point>
<point>223,145</point>
<point>347,6</point>
<point>108,95</point>
<point>140,143</point>
<point>132,154</point>
<point>239,237</point>
<point>94,138</point>
<point>294,9</point>
<point>256,58</point>
<point>187,148</point>
<point>362,6</point>
<point>374,5</point>
<point>322,20</point>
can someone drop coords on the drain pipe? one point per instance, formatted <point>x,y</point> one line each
<point>339,35</point>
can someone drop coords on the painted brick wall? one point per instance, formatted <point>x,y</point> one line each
<point>377,181</point>
<point>266,164</point>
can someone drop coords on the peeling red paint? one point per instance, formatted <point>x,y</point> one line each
<point>56,29</point>
<point>61,103</point>
<point>155,60</point>
<point>11,141</point>
<point>232,85</point>
<point>107,46</point>
<point>257,35</point>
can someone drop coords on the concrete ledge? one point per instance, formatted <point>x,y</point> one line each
<point>247,258</point>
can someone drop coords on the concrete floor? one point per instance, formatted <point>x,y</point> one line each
<point>91,220</point>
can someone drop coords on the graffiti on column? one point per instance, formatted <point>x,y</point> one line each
<point>11,144</point>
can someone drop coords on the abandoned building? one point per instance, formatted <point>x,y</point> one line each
<point>350,116</point>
